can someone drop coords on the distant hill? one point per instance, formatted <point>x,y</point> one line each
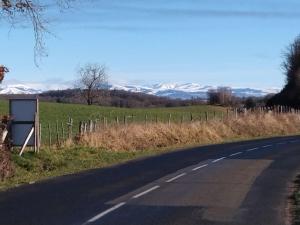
<point>118,98</point>
<point>170,90</point>
<point>189,90</point>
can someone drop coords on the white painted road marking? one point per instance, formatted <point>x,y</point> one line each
<point>146,192</point>
<point>238,153</point>
<point>100,215</point>
<point>217,160</point>
<point>95,218</point>
<point>252,149</point>
<point>175,178</point>
<point>200,167</point>
<point>266,146</point>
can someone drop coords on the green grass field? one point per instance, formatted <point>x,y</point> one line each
<point>50,113</point>
<point>53,162</point>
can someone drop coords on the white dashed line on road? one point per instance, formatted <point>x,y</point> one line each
<point>200,167</point>
<point>217,160</point>
<point>238,153</point>
<point>146,192</point>
<point>175,178</point>
<point>95,218</point>
<point>104,213</point>
<point>267,146</point>
<point>252,149</point>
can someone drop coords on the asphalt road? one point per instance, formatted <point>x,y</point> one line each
<point>243,183</point>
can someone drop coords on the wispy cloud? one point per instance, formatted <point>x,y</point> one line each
<point>145,16</point>
<point>221,13</point>
<point>285,10</point>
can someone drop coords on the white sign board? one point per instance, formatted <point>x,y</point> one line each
<point>24,114</point>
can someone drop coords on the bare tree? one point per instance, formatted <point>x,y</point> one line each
<point>290,94</point>
<point>220,96</point>
<point>291,65</point>
<point>33,12</point>
<point>92,78</point>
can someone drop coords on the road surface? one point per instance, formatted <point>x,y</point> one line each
<point>244,183</point>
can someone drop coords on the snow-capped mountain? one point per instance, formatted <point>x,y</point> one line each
<point>189,90</point>
<point>18,89</point>
<point>171,90</point>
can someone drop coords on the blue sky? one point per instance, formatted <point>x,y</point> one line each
<point>211,42</point>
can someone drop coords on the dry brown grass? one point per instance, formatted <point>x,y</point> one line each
<point>153,136</point>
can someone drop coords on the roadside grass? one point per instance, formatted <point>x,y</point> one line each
<point>51,163</point>
<point>295,202</point>
<point>116,144</point>
<point>162,135</point>
<point>73,158</point>
<point>50,113</point>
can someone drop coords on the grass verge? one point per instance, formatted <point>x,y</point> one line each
<point>51,163</point>
<point>119,144</point>
<point>295,202</point>
<point>162,135</point>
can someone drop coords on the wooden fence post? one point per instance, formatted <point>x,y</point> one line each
<point>70,127</point>
<point>106,122</point>
<point>125,120</point>
<point>103,121</point>
<point>85,128</point>
<point>91,126</point>
<point>57,133</point>
<point>50,138</point>
<point>62,131</point>
<point>40,134</point>
<point>80,128</point>
<point>169,119</point>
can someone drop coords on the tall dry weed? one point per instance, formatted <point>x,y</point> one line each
<point>158,135</point>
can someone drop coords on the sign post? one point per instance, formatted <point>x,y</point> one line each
<point>24,129</point>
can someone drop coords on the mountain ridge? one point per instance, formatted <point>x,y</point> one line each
<point>171,90</point>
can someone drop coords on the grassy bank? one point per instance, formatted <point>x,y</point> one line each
<point>296,202</point>
<point>116,145</point>
<point>50,163</point>
<point>153,136</point>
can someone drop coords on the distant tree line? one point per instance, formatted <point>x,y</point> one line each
<point>126,99</point>
<point>117,98</point>
<point>223,96</point>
